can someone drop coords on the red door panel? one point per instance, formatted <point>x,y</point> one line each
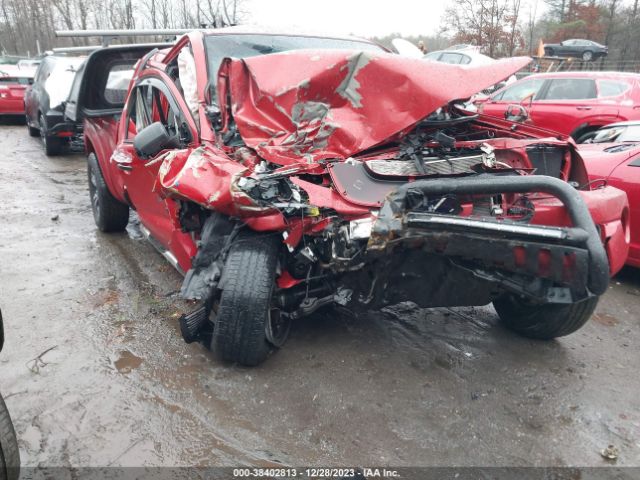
<point>140,178</point>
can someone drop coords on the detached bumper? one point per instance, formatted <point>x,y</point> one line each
<point>570,256</point>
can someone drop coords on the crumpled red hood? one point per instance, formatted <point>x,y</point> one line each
<point>309,105</point>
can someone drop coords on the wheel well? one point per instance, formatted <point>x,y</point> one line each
<point>582,130</point>
<point>88,147</point>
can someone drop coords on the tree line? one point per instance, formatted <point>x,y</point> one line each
<point>500,27</point>
<point>28,26</point>
<point>510,27</point>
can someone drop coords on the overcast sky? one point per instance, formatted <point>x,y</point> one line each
<point>359,17</point>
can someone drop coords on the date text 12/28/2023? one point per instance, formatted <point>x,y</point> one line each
<point>315,473</point>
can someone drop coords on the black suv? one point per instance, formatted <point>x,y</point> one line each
<point>44,102</point>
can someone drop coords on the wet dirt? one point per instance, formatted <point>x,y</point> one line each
<point>402,387</point>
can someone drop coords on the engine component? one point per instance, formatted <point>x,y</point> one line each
<point>360,229</point>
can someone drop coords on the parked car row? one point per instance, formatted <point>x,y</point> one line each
<point>44,102</point>
<point>299,159</point>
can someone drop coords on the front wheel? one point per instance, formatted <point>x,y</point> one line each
<point>546,321</point>
<point>549,52</point>
<point>587,56</point>
<point>109,214</point>
<point>246,324</point>
<point>9,453</point>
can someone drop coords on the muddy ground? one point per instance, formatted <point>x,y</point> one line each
<point>405,387</point>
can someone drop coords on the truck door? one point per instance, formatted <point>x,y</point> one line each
<point>150,101</point>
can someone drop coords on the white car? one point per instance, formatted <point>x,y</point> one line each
<point>459,57</point>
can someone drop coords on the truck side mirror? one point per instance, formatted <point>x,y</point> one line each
<point>152,139</point>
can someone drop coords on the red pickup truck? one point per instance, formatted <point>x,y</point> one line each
<point>282,173</point>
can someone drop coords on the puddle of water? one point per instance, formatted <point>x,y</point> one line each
<point>127,362</point>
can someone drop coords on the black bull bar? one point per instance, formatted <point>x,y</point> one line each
<point>582,240</point>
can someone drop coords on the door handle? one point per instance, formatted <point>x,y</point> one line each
<point>584,107</point>
<point>124,166</point>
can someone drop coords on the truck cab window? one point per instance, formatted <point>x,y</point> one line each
<point>150,105</point>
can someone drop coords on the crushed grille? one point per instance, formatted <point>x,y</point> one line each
<point>432,166</point>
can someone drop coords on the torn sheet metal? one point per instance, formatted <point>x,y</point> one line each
<point>202,175</point>
<point>307,105</point>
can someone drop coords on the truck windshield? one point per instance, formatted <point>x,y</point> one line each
<point>250,45</point>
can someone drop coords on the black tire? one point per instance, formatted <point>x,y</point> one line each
<point>545,321</point>
<point>587,56</point>
<point>247,283</point>
<point>52,145</point>
<point>9,453</point>
<point>109,214</point>
<point>549,52</point>
<point>33,131</point>
<point>586,136</point>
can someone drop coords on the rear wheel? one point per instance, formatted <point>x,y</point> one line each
<point>247,325</point>
<point>549,52</point>
<point>33,131</point>
<point>9,453</point>
<point>52,145</point>
<point>544,321</point>
<point>109,214</point>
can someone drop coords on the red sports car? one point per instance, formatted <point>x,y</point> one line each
<point>572,103</point>
<point>13,83</point>
<point>619,165</point>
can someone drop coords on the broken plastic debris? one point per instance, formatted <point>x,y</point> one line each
<point>610,453</point>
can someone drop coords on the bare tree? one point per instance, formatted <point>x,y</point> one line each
<point>25,24</point>
<point>489,24</point>
<point>531,23</point>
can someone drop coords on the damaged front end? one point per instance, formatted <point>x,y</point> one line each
<point>378,197</point>
<point>367,234</point>
<point>545,264</point>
